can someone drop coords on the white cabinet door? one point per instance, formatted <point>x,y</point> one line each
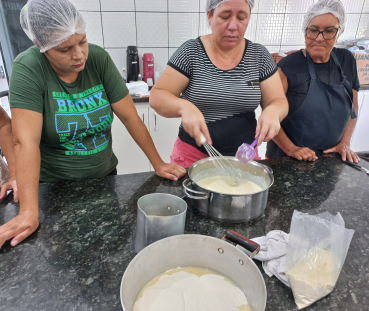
<point>360,138</point>
<point>164,132</point>
<point>131,158</point>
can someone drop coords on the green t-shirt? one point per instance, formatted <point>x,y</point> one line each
<point>76,134</point>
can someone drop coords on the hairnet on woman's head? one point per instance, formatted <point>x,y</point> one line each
<point>334,7</point>
<point>49,23</point>
<point>212,4</point>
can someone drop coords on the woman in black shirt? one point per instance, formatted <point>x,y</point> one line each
<point>321,85</point>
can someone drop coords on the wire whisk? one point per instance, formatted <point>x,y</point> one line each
<point>226,170</point>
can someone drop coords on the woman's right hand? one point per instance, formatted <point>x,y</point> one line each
<point>303,153</point>
<point>19,228</point>
<point>194,123</point>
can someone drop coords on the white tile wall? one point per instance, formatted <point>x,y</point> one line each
<point>366,7</point>
<point>352,23</point>
<point>184,26</point>
<point>161,26</point>
<point>203,4</point>
<point>292,30</point>
<point>117,5</point>
<point>269,29</point>
<point>152,5</point>
<point>353,6</point>
<point>94,27</point>
<point>273,6</point>
<point>251,28</point>
<point>152,29</point>
<point>363,28</point>
<point>184,6</point>
<point>204,27</point>
<point>119,29</point>
<point>119,58</point>
<point>87,5</point>
<point>298,6</point>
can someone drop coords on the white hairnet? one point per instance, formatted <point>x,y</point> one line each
<point>49,23</point>
<point>212,4</point>
<point>334,7</point>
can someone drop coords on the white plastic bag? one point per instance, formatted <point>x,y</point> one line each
<point>316,251</point>
<point>138,87</point>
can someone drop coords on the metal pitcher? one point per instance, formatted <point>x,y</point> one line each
<point>159,215</point>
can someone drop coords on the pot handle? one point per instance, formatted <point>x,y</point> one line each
<point>198,195</point>
<point>246,243</point>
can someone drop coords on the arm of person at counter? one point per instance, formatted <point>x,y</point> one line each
<point>27,127</point>
<point>275,108</point>
<point>282,140</point>
<point>7,146</point>
<point>165,100</point>
<point>127,113</point>
<point>343,147</point>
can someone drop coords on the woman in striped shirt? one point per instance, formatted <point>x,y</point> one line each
<point>223,78</point>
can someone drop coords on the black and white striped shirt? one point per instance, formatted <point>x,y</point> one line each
<point>226,98</point>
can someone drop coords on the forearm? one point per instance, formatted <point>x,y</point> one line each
<point>284,142</point>
<point>7,146</point>
<point>27,165</point>
<point>279,106</point>
<point>349,130</point>
<point>166,104</point>
<point>141,136</point>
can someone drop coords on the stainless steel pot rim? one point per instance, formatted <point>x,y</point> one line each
<point>166,194</point>
<point>227,194</point>
<point>147,249</point>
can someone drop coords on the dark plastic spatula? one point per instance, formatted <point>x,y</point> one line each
<point>246,152</point>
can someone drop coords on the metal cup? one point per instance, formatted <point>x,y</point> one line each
<point>159,215</point>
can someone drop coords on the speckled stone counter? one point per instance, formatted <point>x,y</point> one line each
<point>76,259</point>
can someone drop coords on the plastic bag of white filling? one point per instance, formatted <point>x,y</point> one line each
<point>316,251</point>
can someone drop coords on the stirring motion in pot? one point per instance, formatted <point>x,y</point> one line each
<point>217,184</point>
<point>191,288</point>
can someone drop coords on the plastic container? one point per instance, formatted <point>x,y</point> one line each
<point>125,75</point>
<point>148,66</point>
<point>156,77</point>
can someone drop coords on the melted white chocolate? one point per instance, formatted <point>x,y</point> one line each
<point>191,289</point>
<point>218,184</point>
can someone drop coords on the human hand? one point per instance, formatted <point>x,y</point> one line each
<point>194,123</point>
<point>11,184</point>
<point>268,125</point>
<point>344,150</point>
<point>170,171</point>
<point>303,153</point>
<point>19,228</point>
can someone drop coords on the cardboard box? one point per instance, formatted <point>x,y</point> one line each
<point>362,62</point>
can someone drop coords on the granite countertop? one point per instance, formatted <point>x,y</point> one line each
<point>76,259</point>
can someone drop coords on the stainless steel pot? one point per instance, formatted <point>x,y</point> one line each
<point>193,251</point>
<point>227,207</point>
<point>159,215</point>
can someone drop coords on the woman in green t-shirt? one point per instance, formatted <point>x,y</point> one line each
<point>64,93</point>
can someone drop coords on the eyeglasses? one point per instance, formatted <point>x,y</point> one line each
<point>328,34</point>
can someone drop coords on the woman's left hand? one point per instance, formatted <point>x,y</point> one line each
<point>170,171</point>
<point>344,150</point>
<point>268,125</point>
